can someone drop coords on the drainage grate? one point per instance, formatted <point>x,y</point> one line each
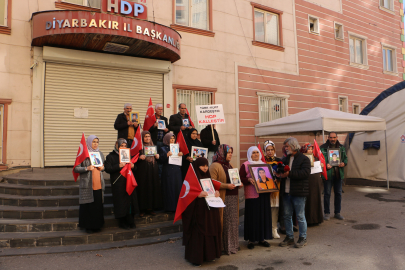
<point>364,227</point>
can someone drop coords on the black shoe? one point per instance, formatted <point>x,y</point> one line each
<point>251,245</point>
<point>282,231</point>
<point>301,242</point>
<point>89,231</point>
<point>132,226</point>
<point>264,244</point>
<point>286,242</point>
<point>196,264</point>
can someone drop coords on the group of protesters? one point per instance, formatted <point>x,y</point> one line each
<point>210,232</point>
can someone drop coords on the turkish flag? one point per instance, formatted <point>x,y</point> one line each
<point>261,151</point>
<point>82,154</point>
<point>216,183</point>
<point>318,154</point>
<point>136,143</point>
<point>150,118</point>
<point>182,143</point>
<point>190,190</point>
<point>126,171</point>
<point>189,119</point>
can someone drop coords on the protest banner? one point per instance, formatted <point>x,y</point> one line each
<point>210,114</point>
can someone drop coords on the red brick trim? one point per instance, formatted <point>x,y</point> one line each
<point>268,46</point>
<point>7,29</point>
<point>6,103</point>
<point>70,6</point>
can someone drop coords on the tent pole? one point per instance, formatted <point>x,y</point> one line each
<point>323,136</point>
<point>386,159</point>
<point>255,141</point>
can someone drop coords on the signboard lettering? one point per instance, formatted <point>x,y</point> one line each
<point>210,114</point>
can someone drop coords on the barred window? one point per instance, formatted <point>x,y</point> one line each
<point>271,108</point>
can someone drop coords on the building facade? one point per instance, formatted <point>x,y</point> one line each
<point>68,67</point>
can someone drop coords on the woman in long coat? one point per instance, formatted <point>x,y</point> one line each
<point>191,140</point>
<point>91,190</point>
<point>201,226</point>
<point>147,176</point>
<point>125,206</point>
<point>171,175</point>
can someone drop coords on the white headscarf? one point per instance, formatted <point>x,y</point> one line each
<point>249,155</point>
<point>267,144</point>
<point>89,141</point>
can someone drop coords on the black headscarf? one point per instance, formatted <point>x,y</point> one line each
<point>190,142</point>
<point>196,165</point>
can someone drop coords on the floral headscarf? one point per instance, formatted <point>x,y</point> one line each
<point>305,147</point>
<point>221,153</point>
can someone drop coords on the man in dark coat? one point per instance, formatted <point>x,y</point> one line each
<point>335,176</point>
<point>209,142</point>
<point>126,128</point>
<point>158,134</point>
<point>296,189</point>
<point>176,122</point>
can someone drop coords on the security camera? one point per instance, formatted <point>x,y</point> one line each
<point>33,65</point>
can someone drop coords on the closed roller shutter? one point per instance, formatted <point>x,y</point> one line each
<point>103,91</point>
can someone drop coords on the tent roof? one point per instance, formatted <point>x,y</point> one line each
<point>318,119</point>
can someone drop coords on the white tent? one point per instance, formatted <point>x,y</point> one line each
<point>321,120</point>
<point>390,105</point>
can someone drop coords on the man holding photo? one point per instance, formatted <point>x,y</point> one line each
<point>125,126</point>
<point>176,121</point>
<point>158,134</point>
<point>335,176</point>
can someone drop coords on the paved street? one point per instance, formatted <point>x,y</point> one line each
<point>371,237</point>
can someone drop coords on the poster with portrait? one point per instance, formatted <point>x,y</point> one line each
<point>150,151</point>
<point>311,158</point>
<point>186,122</point>
<point>134,117</point>
<point>175,149</point>
<point>334,157</point>
<point>125,155</point>
<point>208,187</point>
<point>263,177</point>
<point>234,177</point>
<point>197,152</point>
<point>161,124</point>
<point>95,159</point>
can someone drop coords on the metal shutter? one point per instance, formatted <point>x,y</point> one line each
<point>101,90</point>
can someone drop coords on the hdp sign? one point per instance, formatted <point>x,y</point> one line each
<point>127,8</point>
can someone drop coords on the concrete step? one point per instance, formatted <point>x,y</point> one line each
<point>56,239</point>
<point>25,190</point>
<point>44,201</point>
<point>17,212</point>
<point>71,224</point>
<point>35,182</point>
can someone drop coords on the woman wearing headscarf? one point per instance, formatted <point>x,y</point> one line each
<point>201,225</point>
<point>191,140</point>
<point>229,215</point>
<point>313,204</point>
<point>171,175</point>
<point>147,176</point>
<point>91,190</point>
<point>270,152</point>
<point>125,205</point>
<point>257,206</point>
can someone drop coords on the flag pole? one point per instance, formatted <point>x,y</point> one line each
<point>116,179</point>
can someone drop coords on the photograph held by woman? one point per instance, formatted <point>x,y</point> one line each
<point>172,180</point>
<point>91,190</point>
<point>201,225</point>
<point>191,140</point>
<point>125,205</point>
<point>149,184</point>
<point>229,215</point>
<point>257,206</point>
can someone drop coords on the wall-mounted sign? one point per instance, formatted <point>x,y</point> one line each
<point>210,114</point>
<point>126,8</point>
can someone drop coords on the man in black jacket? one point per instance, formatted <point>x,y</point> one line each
<point>126,128</point>
<point>209,142</point>
<point>156,133</point>
<point>176,122</point>
<point>296,190</point>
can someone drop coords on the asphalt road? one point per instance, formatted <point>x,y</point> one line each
<point>371,237</point>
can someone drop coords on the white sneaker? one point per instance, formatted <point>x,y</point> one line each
<point>275,234</point>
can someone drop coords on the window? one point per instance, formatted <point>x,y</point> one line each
<point>266,27</point>
<point>358,50</point>
<point>339,34</point>
<point>389,60</point>
<point>86,3</point>
<point>343,104</point>
<point>3,12</point>
<point>272,107</point>
<point>1,131</point>
<point>388,4</point>
<point>313,24</point>
<point>191,99</point>
<point>192,13</point>
<point>356,108</point>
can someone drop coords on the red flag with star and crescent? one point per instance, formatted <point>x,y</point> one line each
<point>318,154</point>
<point>126,171</point>
<point>189,119</point>
<point>150,118</point>
<point>261,152</point>
<point>82,154</point>
<point>189,191</point>
<point>136,143</point>
<point>182,143</point>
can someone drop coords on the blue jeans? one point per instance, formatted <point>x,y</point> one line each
<point>336,183</point>
<point>290,204</point>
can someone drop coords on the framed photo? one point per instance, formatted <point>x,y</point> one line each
<point>334,156</point>
<point>125,155</point>
<point>95,159</point>
<point>175,149</point>
<point>186,123</point>
<point>150,151</point>
<point>134,117</point>
<point>207,186</point>
<point>263,177</point>
<point>311,158</point>
<point>234,177</point>
<point>161,124</point>
<point>197,152</point>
